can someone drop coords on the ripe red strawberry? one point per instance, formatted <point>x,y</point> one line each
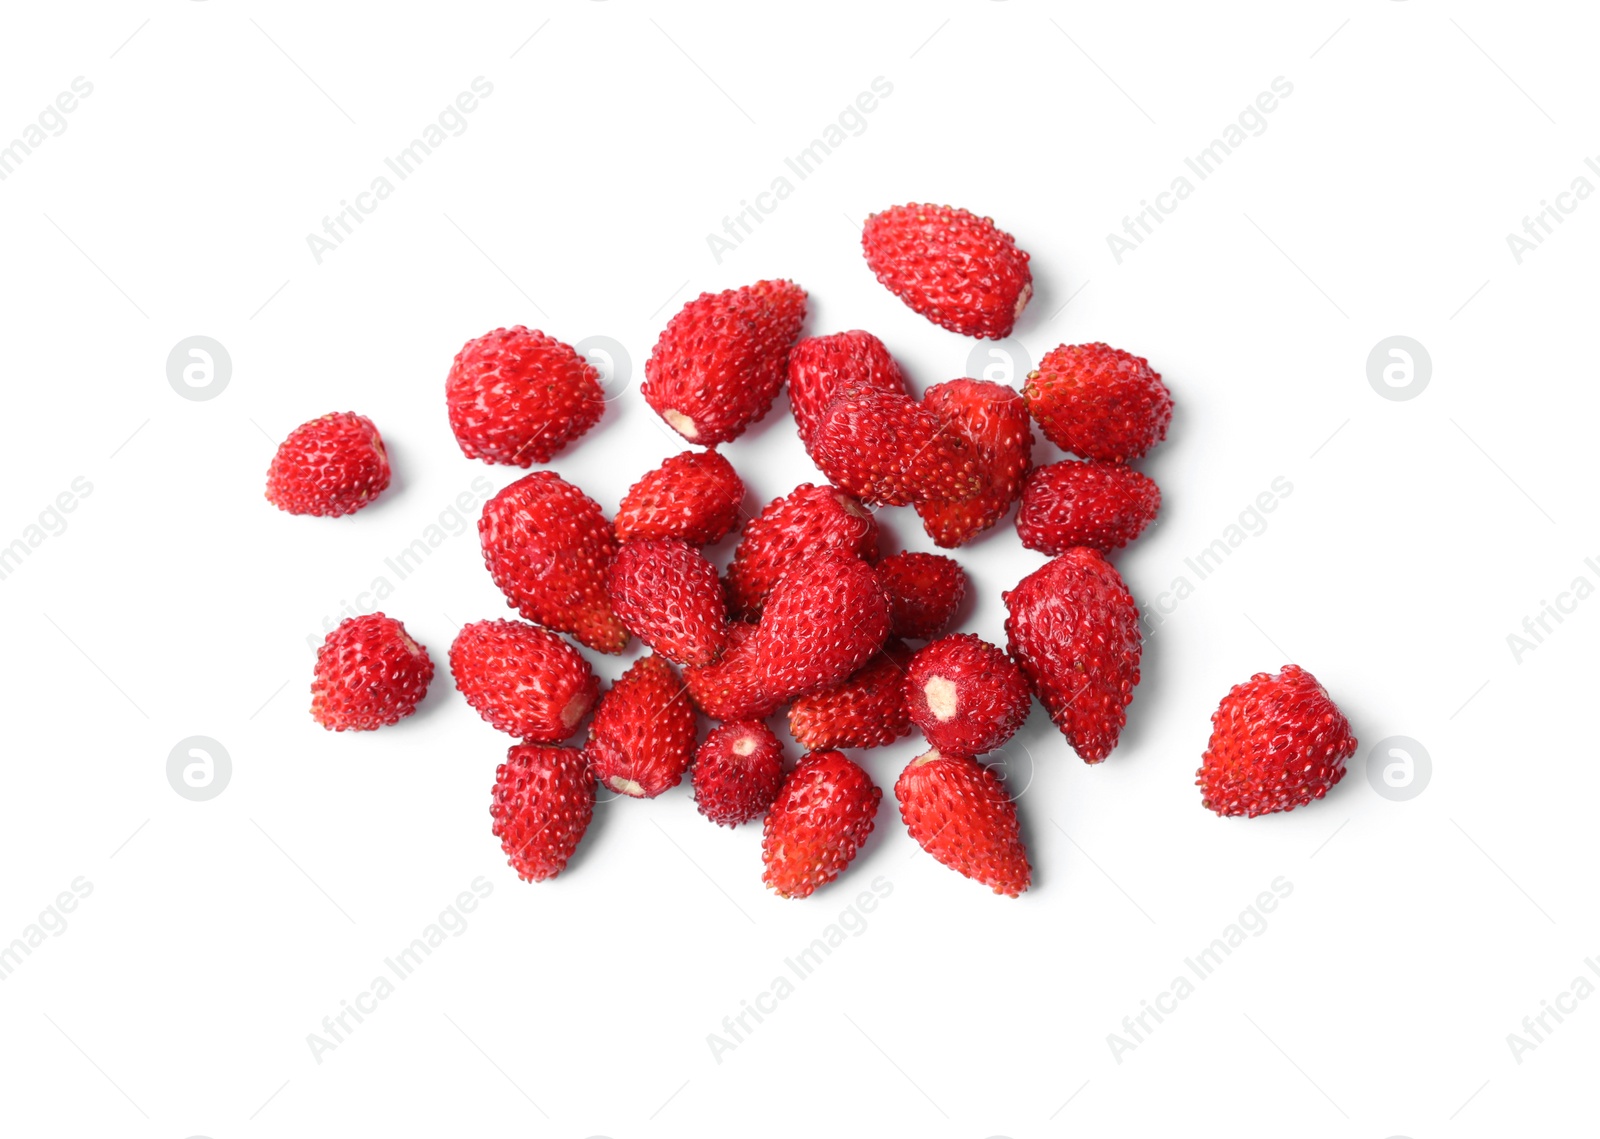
<point>523,679</point>
<point>886,447</point>
<point>958,811</point>
<point>641,739</point>
<point>1099,402</point>
<point>330,466</point>
<point>820,367</point>
<point>966,695</point>
<point>1085,503</point>
<point>369,673</point>
<point>993,418</point>
<point>1277,743</point>
<point>737,772</point>
<point>694,496</point>
<point>548,547</point>
<point>516,396</point>
<point>728,689</point>
<point>671,598</point>
<point>1074,630</point>
<point>808,520</point>
<point>925,590</point>
<point>826,618</point>
<point>867,710</point>
<point>722,359</point>
<point>822,815</point>
<point>543,801</point>
<point>955,268</point>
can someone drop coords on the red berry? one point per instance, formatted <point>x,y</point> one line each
<point>523,679</point>
<point>369,673</point>
<point>728,689</point>
<point>959,812</point>
<point>670,597</point>
<point>694,496</point>
<point>822,815</point>
<point>543,801</point>
<point>518,397</point>
<point>1099,402</point>
<point>993,418</point>
<point>722,359</point>
<point>925,590</point>
<point>641,739</point>
<point>821,367</point>
<point>827,618</point>
<point>1277,743</point>
<point>867,710</point>
<point>330,466</point>
<point>1088,503</point>
<point>737,772</point>
<point>966,695</point>
<point>886,447</point>
<point>953,267</point>
<point>810,519</point>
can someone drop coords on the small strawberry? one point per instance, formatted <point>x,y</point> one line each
<point>993,418</point>
<point>369,673</point>
<point>670,597</point>
<point>518,397</point>
<point>867,710</point>
<point>955,268</point>
<point>1074,630</point>
<point>1099,402</point>
<point>925,590</point>
<point>1085,503</point>
<point>728,689</point>
<point>548,547</point>
<point>966,695</point>
<point>523,679</point>
<point>543,801</point>
<point>808,520</point>
<point>328,467</point>
<point>641,739</point>
<point>722,359</point>
<point>958,811</point>
<point>1277,743</point>
<point>820,367</point>
<point>737,772</point>
<point>827,617</point>
<point>822,815</point>
<point>694,496</point>
<point>885,447</point>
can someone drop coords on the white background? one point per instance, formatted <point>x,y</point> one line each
<point>176,602</point>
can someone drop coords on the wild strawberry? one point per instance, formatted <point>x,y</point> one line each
<point>523,679</point>
<point>885,447</point>
<point>671,598</point>
<point>822,815</point>
<point>737,772</point>
<point>548,547</point>
<point>955,268</point>
<point>810,519</point>
<point>967,696</point>
<point>722,359</point>
<point>330,466</point>
<point>1074,630</point>
<point>641,739</point>
<point>543,801</point>
<point>518,397</point>
<point>993,418</point>
<point>958,811</point>
<point>925,590</point>
<point>867,710</point>
<point>1088,503</point>
<point>827,617</point>
<point>1099,402</point>
<point>369,673</point>
<point>728,689</point>
<point>694,496</point>
<point>1277,743</point>
<point>820,367</point>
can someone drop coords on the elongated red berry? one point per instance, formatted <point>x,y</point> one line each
<point>827,617</point>
<point>958,811</point>
<point>887,448</point>
<point>994,419</point>
<point>821,367</point>
<point>518,397</point>
<point>670,597</point>
<point>808,520</point>
<point>925,590</point>
<point>1099,402</point>
<point>523,679</point>
<point>955,268</point>
<point>867,710</point>
<point>822,815</point>
<point>369,673</point>
<point>543,800</point>
<point>330,466</point>
<point>737,772</point>
<point>641,739</point>
<point>694,496</point>
<point>1085,503</point>
<point>966,695</point>
<point>729,689</point>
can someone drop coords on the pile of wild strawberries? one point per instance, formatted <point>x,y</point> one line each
<point>807,614</point>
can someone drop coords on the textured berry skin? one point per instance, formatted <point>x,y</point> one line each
<point>1088,503</point>
<point>827,618</point>
<point>737,772</point>
<point>694,497</point>
<point>925,590</point>
<point>867,710</point>
<point>641,739</point>
<point>543,800</point>
<point>369,673</point>
<point>330,466</point>
<point>522,679</point>
<point>1277,743</point>
<point>548,547</point>
<point>808,520</point>
<point>728,689</point>
<point>516,396</point>
<point>721,360</point>
<point>1073,628</point>
<point>671,598</point>
<point>887,448</point>
<point>1099,402</point>
<point>993,418</point>
<point>820,367</point>
<point>959,812</point>
<point>953,267</point>
<point>966,695</point>
<point>822,815</point>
